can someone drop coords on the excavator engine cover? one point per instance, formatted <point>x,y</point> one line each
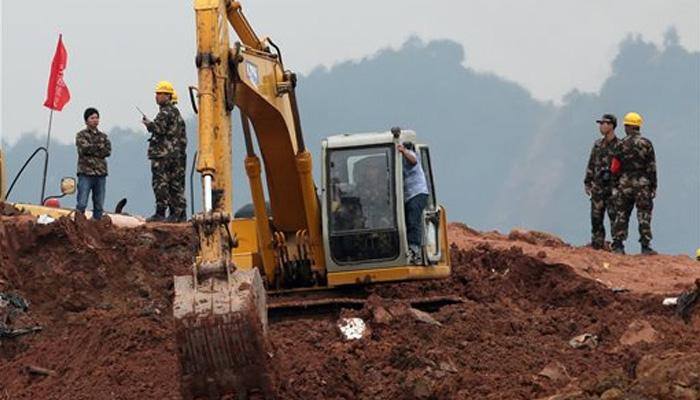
<point>221,327</point>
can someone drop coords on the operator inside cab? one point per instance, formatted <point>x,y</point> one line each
<point>363,225</point>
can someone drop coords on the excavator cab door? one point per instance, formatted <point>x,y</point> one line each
<point>431,214</point>
<point>361,206</point>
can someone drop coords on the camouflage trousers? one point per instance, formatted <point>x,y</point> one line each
<point>168,182</point>
<point>625,199</point>
<point>600,203</point>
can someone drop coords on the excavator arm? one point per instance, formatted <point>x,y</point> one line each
<point>240,24</point>
<point>220,309</point>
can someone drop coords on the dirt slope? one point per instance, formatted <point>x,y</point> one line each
<point>662,274</point>
<point>103,296</point>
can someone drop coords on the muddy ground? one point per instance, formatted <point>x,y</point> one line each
<point>103,298</point>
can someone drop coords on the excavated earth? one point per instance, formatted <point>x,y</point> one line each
<point>103,298</point>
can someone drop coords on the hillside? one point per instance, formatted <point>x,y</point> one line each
<point>502,159</point>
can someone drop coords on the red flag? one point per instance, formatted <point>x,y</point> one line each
<point>57,94</point>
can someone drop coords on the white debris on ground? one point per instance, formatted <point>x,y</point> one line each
<point>44,219</point>
<point>352,328</point>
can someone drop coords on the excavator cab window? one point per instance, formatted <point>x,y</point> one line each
<point>362,204</point>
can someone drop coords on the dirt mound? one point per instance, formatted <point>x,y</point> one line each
<point>103,296</point>
<point>661,274</point>
<point>504,342</point>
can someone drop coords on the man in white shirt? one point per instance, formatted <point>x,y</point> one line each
<point>415,195</point>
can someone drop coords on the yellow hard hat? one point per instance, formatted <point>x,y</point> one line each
<point>697,254</point>
<point>633,119</point>
<point>165,87</point>
<point>174,98</point>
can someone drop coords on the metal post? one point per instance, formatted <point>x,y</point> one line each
<point>46,161</point>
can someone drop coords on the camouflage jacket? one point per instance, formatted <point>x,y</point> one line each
<point>598,178</point>
<point>637,161</point>
<point>168,135</point>
<point>93,149</point>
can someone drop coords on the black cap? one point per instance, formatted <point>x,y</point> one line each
<point>608,118</point>
<point>89,112</point>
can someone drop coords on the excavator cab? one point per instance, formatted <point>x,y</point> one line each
<point>364,229</point>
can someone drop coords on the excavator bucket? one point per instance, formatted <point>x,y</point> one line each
<point>221,327</point>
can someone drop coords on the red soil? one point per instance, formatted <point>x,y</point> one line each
<point>103,296</point>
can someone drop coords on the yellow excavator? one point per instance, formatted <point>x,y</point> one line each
<point>349,231</point>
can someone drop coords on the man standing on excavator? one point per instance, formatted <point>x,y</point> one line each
<point>415,197</point>
<point>167,151</point>
<point>598,182</point>
<point>636,185</point>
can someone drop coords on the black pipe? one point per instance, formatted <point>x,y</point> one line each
<point>295,115</point>
<point>192,100</point>
<point>7,195</point>
<point>52,197</point>
<point>279,52</point>
<point>246,135</point>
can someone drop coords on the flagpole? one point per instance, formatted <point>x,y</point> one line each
<point>46,160</point>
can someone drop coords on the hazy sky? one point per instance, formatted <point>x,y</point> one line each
<point>118,49</point>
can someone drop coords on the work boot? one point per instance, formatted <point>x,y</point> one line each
<point>414,255</point>
<point>618,247</point>
<point>597,246</point>
<point>159,216</point>
<point>647,250</point>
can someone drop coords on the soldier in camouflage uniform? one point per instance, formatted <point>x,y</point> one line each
<point>636,185</point>
<point>93,149</point>
<point>598,182</point>
<point>167,152</point>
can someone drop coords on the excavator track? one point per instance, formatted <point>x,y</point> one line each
<point>284,306</point>
<point>221,334</point>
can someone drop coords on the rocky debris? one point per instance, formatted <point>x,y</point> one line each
<point>613,380</point>
<point>384,311</point>
<point>536,238</point>
<point>688,301</point>
<point>555,371</point>
<point>584,341</point>
<point>421,389</point>
<point>33,369</point>
<point>13,319</point>
<point>612,394</point>
<point>423,316</point>
<point>639,331</point>
<point>8,210</point>
<point>669,376</point>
